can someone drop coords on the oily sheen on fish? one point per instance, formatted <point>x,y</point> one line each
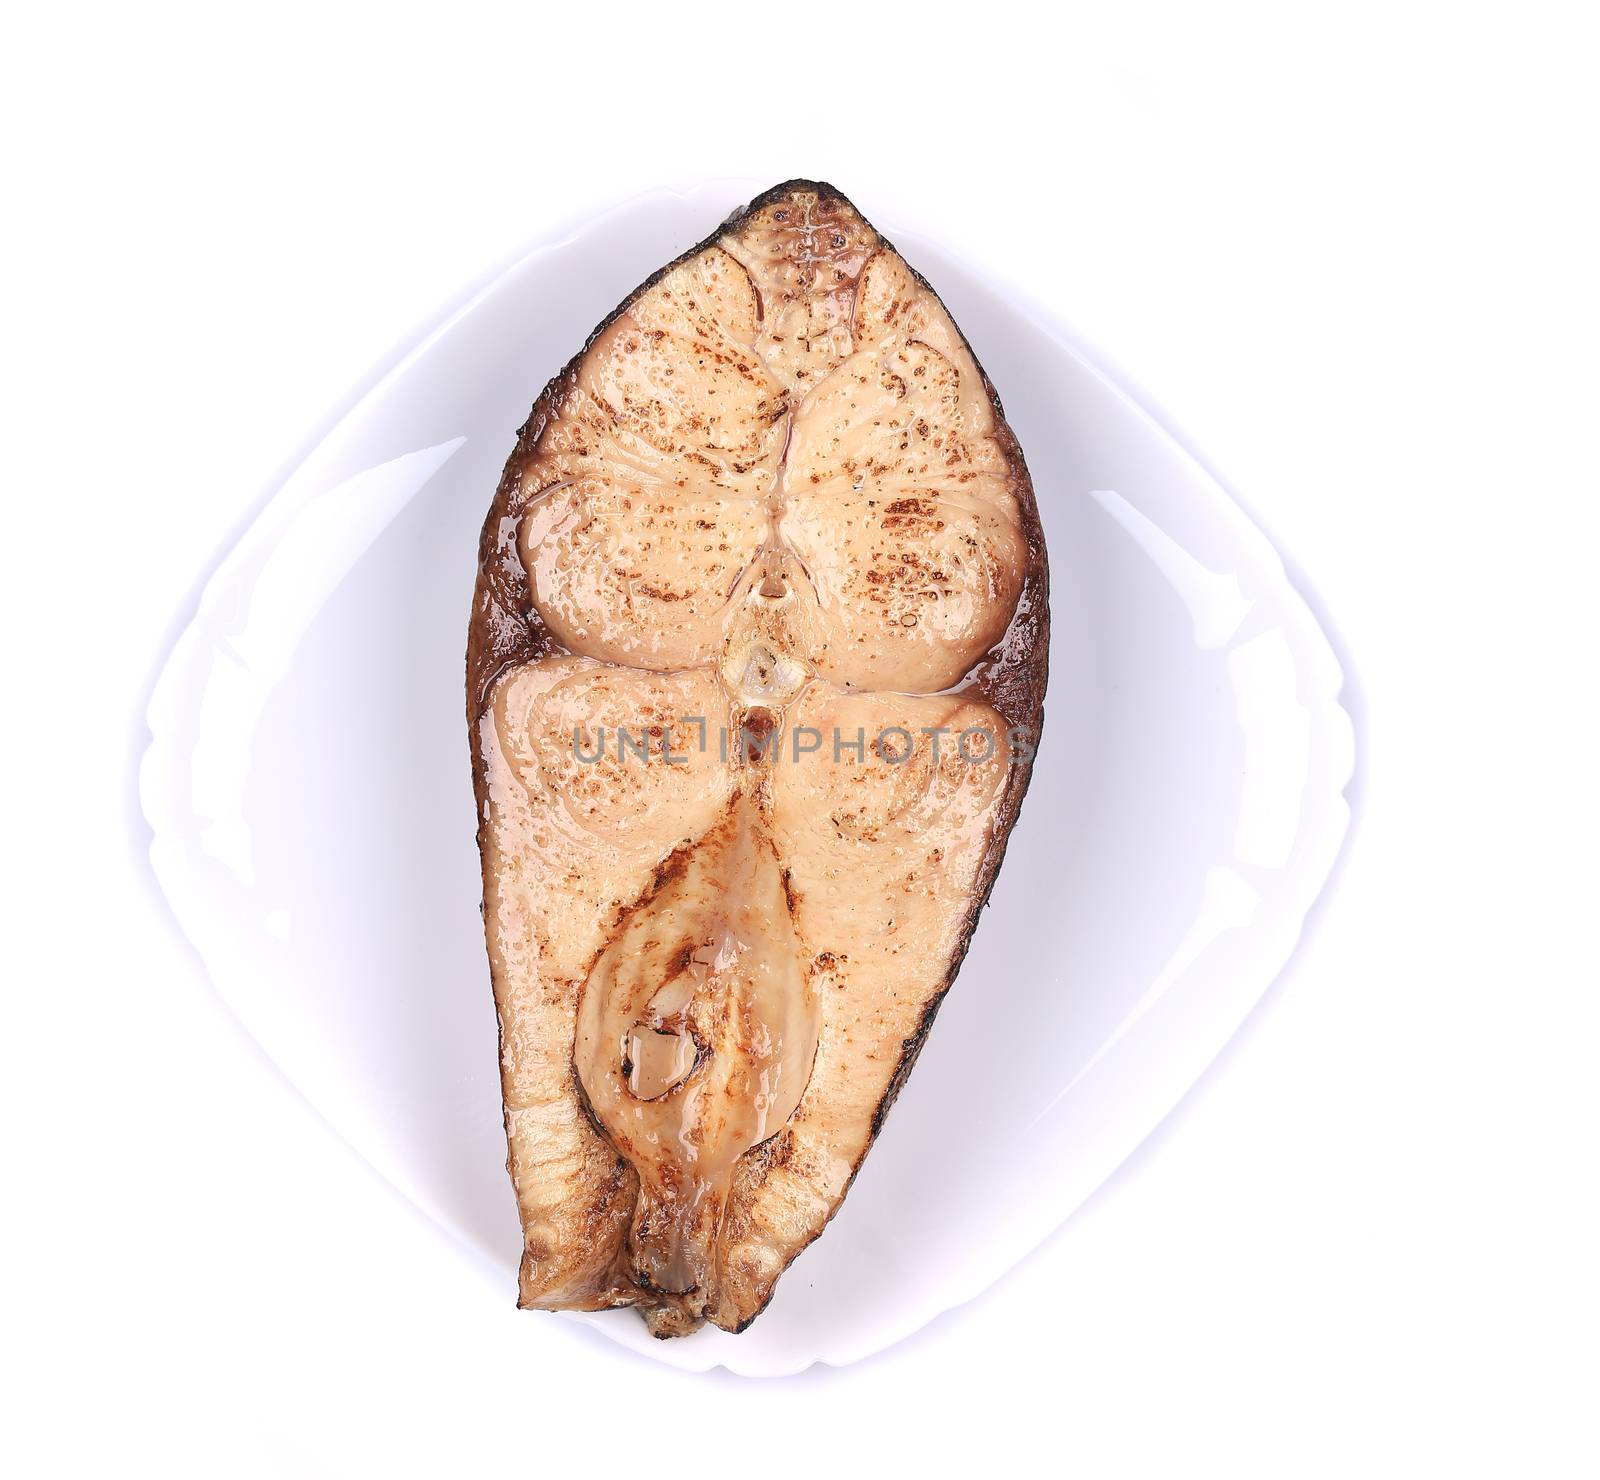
<point>755,675</point>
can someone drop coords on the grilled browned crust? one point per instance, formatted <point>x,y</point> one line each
<point>506,630</point>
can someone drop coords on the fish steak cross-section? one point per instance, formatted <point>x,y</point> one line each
<point>755,678</point>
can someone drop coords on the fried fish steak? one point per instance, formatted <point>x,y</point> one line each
<point>755,673</point>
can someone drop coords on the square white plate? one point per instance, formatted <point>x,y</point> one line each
<point>309,791</point>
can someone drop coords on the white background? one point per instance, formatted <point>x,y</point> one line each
<point>1350,252</point>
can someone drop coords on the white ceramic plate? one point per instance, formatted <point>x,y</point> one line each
<point>308,788</point>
